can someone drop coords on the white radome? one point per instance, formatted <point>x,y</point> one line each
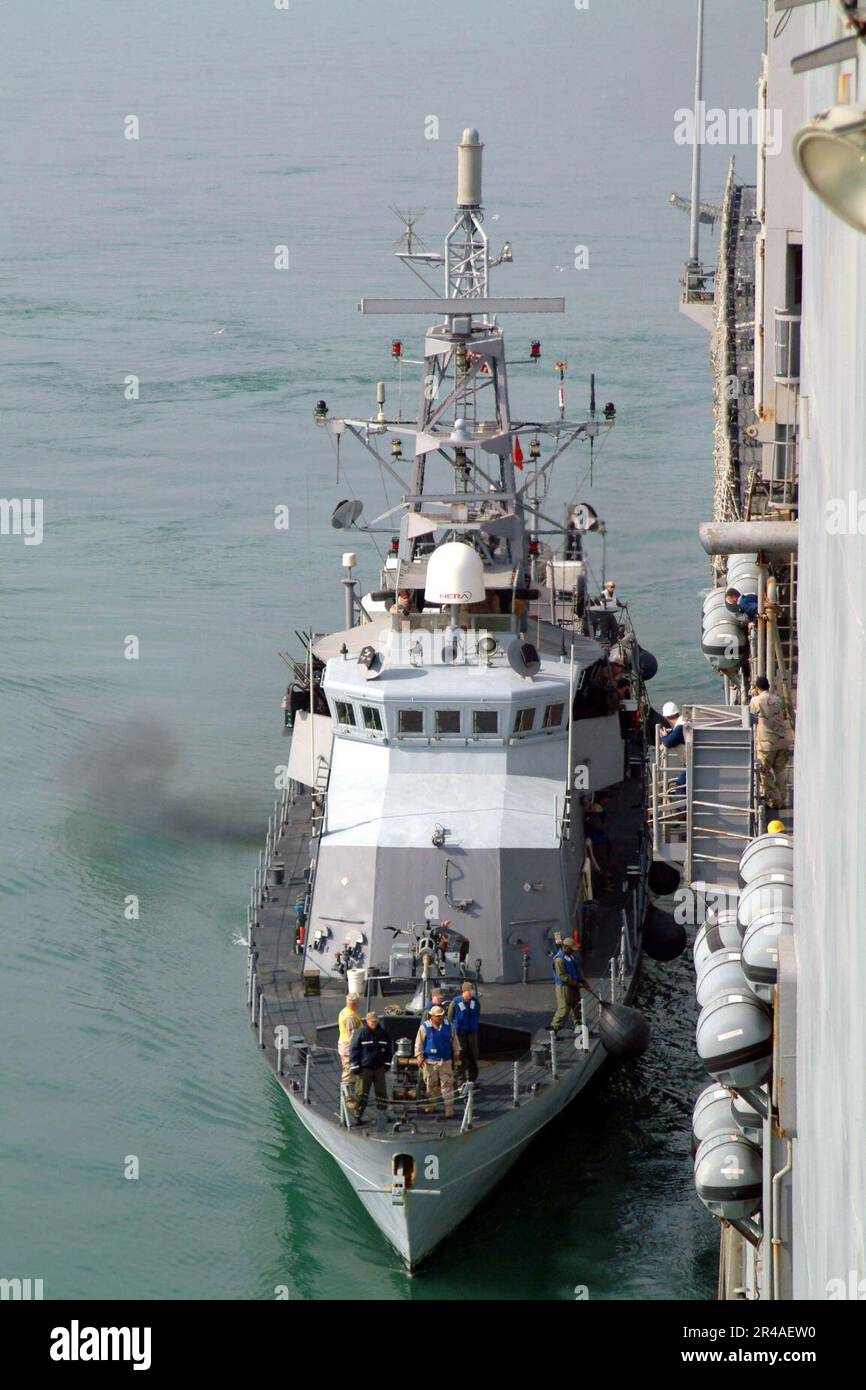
<point>455,574</point>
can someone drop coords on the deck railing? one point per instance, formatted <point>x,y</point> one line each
<point>521,1079</point>
<point>314,1073</point>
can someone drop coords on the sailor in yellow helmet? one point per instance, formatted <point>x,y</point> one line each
<point>349,1021</point>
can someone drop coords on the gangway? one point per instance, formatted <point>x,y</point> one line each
<point>704,814</point>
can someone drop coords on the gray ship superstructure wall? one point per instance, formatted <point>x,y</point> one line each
<point>830,1150</point>
<point>428,826</point>
<point>393,886</point>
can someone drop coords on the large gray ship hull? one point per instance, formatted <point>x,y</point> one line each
<point>453,1173</point>
<point>419,1174</point>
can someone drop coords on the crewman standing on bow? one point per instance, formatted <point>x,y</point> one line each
<point>370,1058</point>
<point>437,1049</point>
<point>568,981</point>
<point>465,1016</point>
<point>348,1021</point>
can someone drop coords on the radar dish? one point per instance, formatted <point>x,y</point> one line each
<point>370,662</point>
<point>523,659</point>
<point>346,513</point>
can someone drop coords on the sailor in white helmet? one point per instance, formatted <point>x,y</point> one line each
<point>674,741</point>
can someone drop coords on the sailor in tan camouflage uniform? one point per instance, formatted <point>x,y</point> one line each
<point>773,741</point>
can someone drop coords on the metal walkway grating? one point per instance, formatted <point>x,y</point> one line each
<point>720,801</point>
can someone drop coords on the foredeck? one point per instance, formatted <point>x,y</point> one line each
<point>297,1032</point>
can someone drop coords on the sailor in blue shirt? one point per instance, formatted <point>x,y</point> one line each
<point>676,737</point>
<point>674,741</point>
<point>746,604</point>
<point>369,1058</point>
<point>465,1015</point>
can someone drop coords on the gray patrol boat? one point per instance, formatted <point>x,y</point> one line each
<point>447,746</point>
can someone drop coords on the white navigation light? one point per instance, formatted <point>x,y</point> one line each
<point>830,153</point>
<point>455,574</point>
<point>469,170</point>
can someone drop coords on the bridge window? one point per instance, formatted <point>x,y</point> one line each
<point>485,721</point>
<point>345,713</point>
<point>553,716</point>
<point>372,719</point>
<point>410,721</point>
<point>524,720</point>
<point>447,721</point>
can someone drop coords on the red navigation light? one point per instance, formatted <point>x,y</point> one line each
<point>533,547</point>
<point>535,349</point>
<point>395,544</point>
<point>396,348</point>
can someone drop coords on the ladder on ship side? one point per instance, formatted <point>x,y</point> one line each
<point>787,624</point>
<point>323,772</point>
<point>720,793</point>
<point>318,822</point>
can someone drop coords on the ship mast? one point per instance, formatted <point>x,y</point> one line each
<point>695,221</point>
<point>464,422</point>
<point>467,255</point>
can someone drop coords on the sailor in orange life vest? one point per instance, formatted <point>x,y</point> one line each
<point>437,1049</point>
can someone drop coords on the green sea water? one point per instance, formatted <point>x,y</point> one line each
<point>152,778</point>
